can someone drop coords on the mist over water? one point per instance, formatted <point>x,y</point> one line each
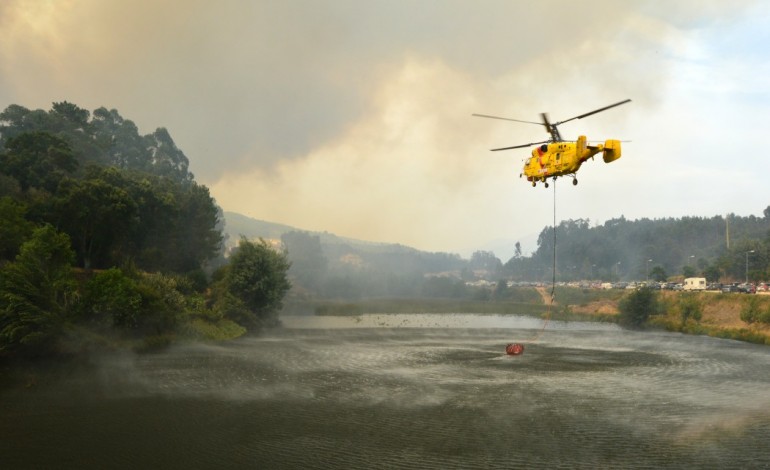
<point>405,391</point>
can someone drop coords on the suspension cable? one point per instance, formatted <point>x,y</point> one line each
<point>547,318</point>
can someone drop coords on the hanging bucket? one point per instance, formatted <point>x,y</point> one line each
<point>514,349</point>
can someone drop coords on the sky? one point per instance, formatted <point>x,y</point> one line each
<point>354,117</point>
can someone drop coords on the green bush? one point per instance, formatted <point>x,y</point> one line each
<point>112,299</point>
<point>36,294</point>
<point>751,312</point>
<point>690,308</point>
<point>637,307</point>
<point>134,303</point>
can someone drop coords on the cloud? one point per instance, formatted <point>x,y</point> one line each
<point>244,84</point>
<point>354,117</point>
<point>412,169</point>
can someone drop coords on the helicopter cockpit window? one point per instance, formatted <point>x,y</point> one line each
<point>544,147</point>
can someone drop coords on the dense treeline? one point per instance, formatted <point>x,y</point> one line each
<point>103,138</point>
<point>106,236</point>
<point>622,249</point>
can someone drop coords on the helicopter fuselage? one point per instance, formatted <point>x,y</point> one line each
<point>554,159</point>
<point>557,157</point>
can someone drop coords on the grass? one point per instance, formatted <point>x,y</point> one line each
<point>582,297</point>
<point>221,330</point>
<point>672,323</point>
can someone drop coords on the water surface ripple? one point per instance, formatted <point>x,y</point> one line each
<point>401,391</point>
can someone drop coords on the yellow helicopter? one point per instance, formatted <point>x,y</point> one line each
<point>557,157</point>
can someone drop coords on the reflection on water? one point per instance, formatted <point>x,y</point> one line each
<point>405,391</point>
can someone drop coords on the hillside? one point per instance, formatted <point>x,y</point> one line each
<point>329,266</point>
<point>238,224</point>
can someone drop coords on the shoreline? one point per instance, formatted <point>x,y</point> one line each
<point>720,314</point>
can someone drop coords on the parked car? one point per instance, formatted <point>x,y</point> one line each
<point>747,288</point>
<point>726,288</point>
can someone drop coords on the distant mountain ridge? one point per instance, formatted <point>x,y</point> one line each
<point>238,224</point>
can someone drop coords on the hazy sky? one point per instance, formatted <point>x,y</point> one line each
<point>354,117</point>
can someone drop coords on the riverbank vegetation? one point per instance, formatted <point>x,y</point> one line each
<point>107,241</point>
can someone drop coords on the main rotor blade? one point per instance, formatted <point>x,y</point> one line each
<point>550,128</point>
<point>522,146</point>
<point>593,112</point>
<point>506,119</point>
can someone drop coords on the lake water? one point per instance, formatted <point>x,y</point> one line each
<point>403,391</point>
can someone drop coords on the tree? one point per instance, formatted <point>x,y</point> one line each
<point>308,263</point>
<point>688,271</point>
<point>15,120</point>
<point>38,159</point>
<point>70,117</point>
<point>658,274</point>
<point>711,273</point>
<point>97,215</point>
<point>36,291</point>
<point>14,227</point>
<point>106,140</point>
<point>9,186</point>
<point>487,263</point>
<point>160,223</point>
<point>637,307</point>
<point>167,159</point>
<point>256,281</point>
<point>197,233</point>
<point>501,290</point>
<point>120,138</point>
